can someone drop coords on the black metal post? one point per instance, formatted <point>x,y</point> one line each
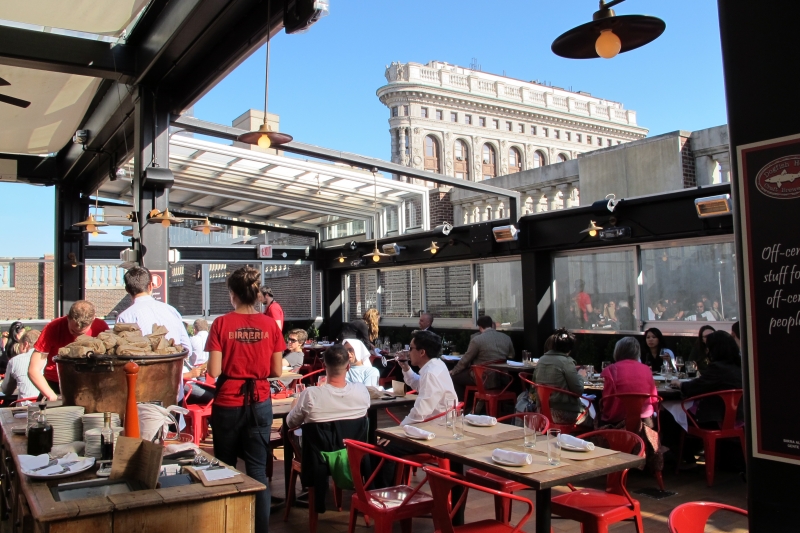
<point>69,280</point>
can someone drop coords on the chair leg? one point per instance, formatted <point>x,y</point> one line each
<point>638,522</point>
<point>744,447</point>
<point>502,509</point>
<point>337,497</point>
<point>290,496</point>
<point>351,526</point>
<point>405,525</point>
<point>710,446</point>
<point>659,479</point>
<point>680,453</point>
<point>312,511</point>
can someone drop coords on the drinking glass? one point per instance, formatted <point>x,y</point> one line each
<point>443,420</point>
<point>679,364</point>
<point>529,427</point>
<point>300,387</point>
<point>526,358</point>
<point>33,416</point>
<point>458,424</point>
<point>322,380</point>
<point>553,446</point>
<point>691,369</point>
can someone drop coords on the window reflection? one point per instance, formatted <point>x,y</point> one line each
<point>500,292</point>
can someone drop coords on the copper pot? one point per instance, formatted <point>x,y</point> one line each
<point>98,384</point>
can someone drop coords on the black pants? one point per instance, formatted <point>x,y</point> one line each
<point>461,381</point>
<point>385,478</point>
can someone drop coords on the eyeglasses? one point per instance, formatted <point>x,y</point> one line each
<point>293,340</point>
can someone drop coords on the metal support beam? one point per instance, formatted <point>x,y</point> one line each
<point>71,55</point>
<point>227,132</point>
<point>69,281</point>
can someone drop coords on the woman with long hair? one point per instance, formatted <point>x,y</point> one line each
<point>245,348</point>
<point>699,353</point>
<point>372,317</point>
<point>655,352</point>
<point>15,332</point>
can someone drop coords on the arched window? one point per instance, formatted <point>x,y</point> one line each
<point>514,161</point>
<point>489,162</point>
<point>538,159</point>
<point>431,154</point>
<point>562,158</point>
<point>461,164</point>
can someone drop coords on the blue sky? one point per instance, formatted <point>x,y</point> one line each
<point>323,82</point>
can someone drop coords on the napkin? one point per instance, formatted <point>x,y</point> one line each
<point>20,415</point>
<point>481,419</point>
<point>218,473</point>
<point>413,431</point>
<point>508,456</point>
<point>575,442</point>
<point>30,462</point>
<point>515,363</point>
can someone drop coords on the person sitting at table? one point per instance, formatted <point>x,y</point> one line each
<point>357,329</point>
<point>699,353</point>
<point>489,345</point>
<point>655,349</point>
<point>17,371</point>
<point>293,357</point>
<point>557,369</point>
<point>11,347</point>
<point>199,354</point>
<point>361,369</point>
<point>627,375</point>
<point>701,314</point>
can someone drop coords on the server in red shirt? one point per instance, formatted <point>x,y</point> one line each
<point>271,307</point>
<point>245,348</point>
<point>79,321</point>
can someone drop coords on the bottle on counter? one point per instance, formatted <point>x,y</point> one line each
<point>40,435</point>
<point>106,439</point>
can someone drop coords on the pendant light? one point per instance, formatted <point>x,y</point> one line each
<point>433,248</point>
<point>376,254</point>
<point>592,229</point>
<point>264,137</point>
<point>608,35</point>
<point>206,227</point>
<point>164,217</point>
<point>341,258</point>
<point>91,224</point>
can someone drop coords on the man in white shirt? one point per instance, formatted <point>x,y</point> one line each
<point>701,314</point>
<point>199,355</point>
<point>336,400</point>
<point>146,311</point>
<point>17,370</point>
<point>433,384</point>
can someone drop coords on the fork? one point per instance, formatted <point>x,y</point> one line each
<point>50,463</point>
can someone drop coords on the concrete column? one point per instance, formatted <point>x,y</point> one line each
<point>534,196</point>
<point>458,215</point>
<point>704,169</point>
<point>401,145</point>
<point>724,160</point>
<point>564,189</point>
<point>551,193</point>
<point>571,196</point>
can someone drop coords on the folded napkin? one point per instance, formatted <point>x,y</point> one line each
<point>508,456</point>
<point>515,363</point>
<point>180,447</point>
<point>413,431</point>
<point>575,442</point>
<point>483,420</point>
<point>21,415</point>
<point>31,462</point>
<point>61,450</point>
<point>218,473</point>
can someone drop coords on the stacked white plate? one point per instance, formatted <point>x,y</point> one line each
<point>67,424</point>
<point>95,420</point>
<point>92,438</point>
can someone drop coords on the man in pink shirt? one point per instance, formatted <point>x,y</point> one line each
<point>627,375</point>
<point>271,308</point>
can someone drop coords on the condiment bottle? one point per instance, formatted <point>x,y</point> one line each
<point>106,439</point>
<point>40,435</point>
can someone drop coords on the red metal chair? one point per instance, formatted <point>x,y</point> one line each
<point>405,473</point>
<point>502,506</point>
<point>633,404</point>
<point>543,393</point>
<point>597,509</point>
<point>388,505</point>
<point>20,400</point>
<point>692,517</point>
<point>308,373</point>
<point>442,483</point>
<point>492,397</point>
<point>727,430</point>
<point>199,414</point>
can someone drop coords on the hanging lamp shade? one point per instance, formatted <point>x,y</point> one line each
<point>592,229</point>
<point>608,35</point>
<point>90,224</point>
<point>165,218</point>
<point>264,137</point>
<point>376,254</point>
<point>341,258</point>
<point>433,248</point>
<point>206,227</point>
<point>127,233</point>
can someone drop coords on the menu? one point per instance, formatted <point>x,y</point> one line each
<point>769,185</point>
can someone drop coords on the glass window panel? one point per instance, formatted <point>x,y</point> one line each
<point>291,285</point>
<point>400,293</point>
<point>448,291</point>
<point>185,291</point>
<point>677,279</point>
<point>362,293</point>
<point>218,273</point>
<point>596,291</point>
<point>500,292</point>
<point>318,291</point>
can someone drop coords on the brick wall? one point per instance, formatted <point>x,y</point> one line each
<point>108,302</point>
<point>687,158</point>
<point>25,298</point>
<point>441,208</point>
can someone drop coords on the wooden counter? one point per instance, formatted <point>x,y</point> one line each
<point>27,505</point>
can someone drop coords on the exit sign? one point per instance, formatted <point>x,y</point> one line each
<point>265,251</point>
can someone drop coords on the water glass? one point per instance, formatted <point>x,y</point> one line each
<point>458,424</point>
<point>33,416</point>
<point>300,387</point>
<point>553,447</point>
<point>529,427</point>
<point>443,420</point>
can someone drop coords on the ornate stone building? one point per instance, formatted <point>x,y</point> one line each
<point>474,125</point>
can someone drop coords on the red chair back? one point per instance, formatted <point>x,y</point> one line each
<point>482,372</point>
<point>308,372</point>
<point>730,398</point>
<point>692,517</point>
<point>621,441</point>
<point>442,483</point>
<point>543,393</point>
<point>434,417</point>
<point>633,404</point>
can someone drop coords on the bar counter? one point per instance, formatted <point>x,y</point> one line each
<point>28,506</point>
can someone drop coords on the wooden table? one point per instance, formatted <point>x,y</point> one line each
<point>572,471</point>
<point>189,508</point>
<point>281,408</point>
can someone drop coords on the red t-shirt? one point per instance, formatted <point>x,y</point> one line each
<point>247,343</point>
<point>275,311</point>
<point>584,301</point>
<point>55,336</point>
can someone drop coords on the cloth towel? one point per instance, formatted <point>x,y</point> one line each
<point>61,450</point>
<point>451,357</point>
<point>509,456</point>
<point>418,433</point>
<point>586,403</point>
<point>674,407</point>
<point>569,440</point>
<point>515,363</point>
<point>482,420</point>
<point>30,462</point>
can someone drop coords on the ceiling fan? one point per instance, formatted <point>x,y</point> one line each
<point>11,100</point>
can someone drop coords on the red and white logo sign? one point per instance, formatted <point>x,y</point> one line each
<point>780,179</point>
<point>265,251</point>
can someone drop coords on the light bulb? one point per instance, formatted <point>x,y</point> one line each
<point>91,227</point>
<point>592,233</point>
<point>341,259</point>
<point>165,223</point>
<point>95,233</point>
<point>608,44</point>
<point>264,142</point>
<point>434,250</point>
<point>376,257</point>
<point>206,230</point>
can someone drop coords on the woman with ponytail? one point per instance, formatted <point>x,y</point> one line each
<point>245,348</point>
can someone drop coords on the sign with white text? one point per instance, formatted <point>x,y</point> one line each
<point>265,251</point>
<point>159,285</point>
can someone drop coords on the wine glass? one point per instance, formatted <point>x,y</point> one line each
<point>679,364</point>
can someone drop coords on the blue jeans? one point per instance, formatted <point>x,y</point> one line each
<point>233,438</point>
